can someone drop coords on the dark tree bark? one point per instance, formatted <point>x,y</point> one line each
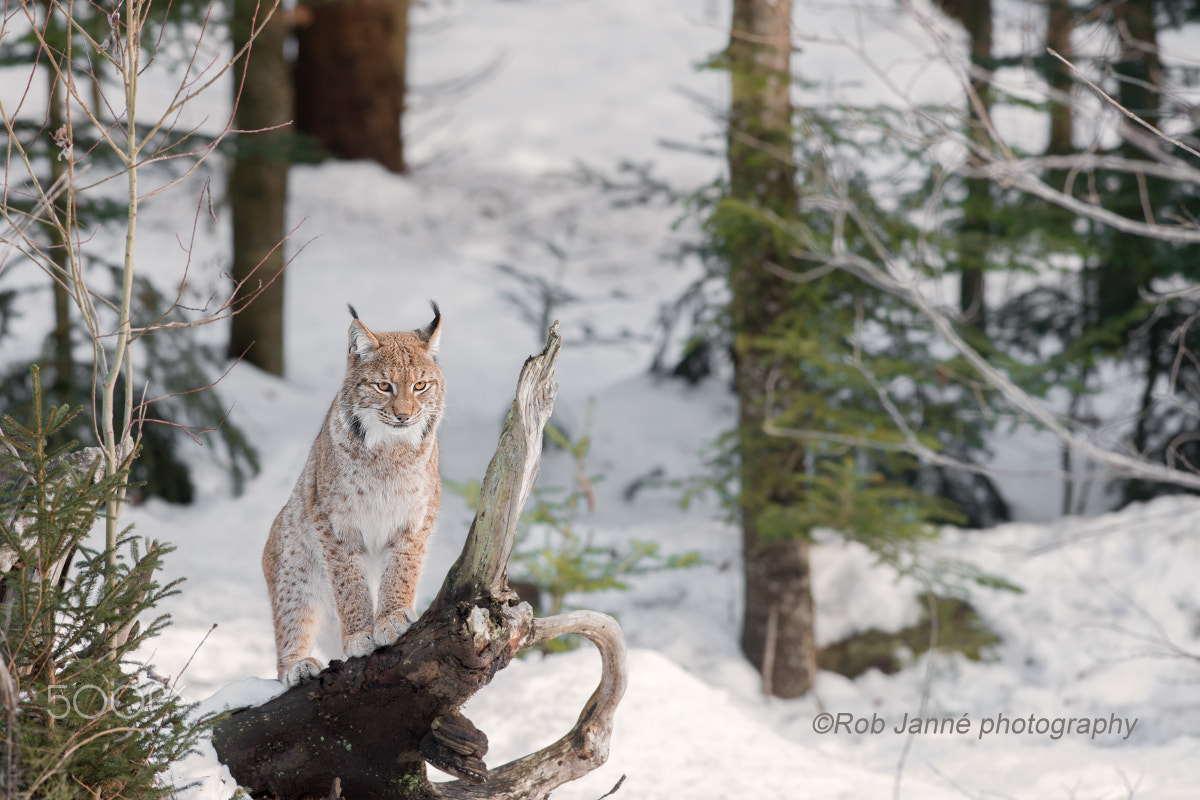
<point>350,78</point>
<point>975,237</point>
<point>258,184</point>
<point>777,629</point>
<point>370,724</point>
<point>1130,262</point>
<point>1060,23</point>
<point>63,388</point>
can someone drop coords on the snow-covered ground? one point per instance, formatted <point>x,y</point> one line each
<point>1108,602</point>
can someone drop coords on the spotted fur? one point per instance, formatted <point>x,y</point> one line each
<point>365,503</point>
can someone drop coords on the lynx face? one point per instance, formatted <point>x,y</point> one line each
<point>393,390</point>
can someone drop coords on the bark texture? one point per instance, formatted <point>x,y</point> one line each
<point>350,78</point>
<point>1130,263</point>
<point>975,238</point>
<point>1060,24</point>
<point>64,387</point>
<point>258,185</point>
<point>777,630</point>
<point>368,725</point>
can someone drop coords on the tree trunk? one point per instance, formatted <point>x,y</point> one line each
<point>63,388</point>
<point>258,186</point>
<point>777,630</point>
<point>368,725</point>
<point>975,238</point>
<point>1060,24</point>
<point>350,78</point>
<point>1129,264</point>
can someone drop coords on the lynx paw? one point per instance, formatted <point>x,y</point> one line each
<point>302,671</point>
<point>359,644</point>
<point>390,628</point>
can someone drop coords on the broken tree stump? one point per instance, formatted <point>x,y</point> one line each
<point>365,728</point>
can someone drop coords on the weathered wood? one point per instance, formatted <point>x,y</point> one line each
<point>585,746</point>
<point>363,720</point>
<point>482,567</point>
<point>371,723</point>
<point>455,746</point>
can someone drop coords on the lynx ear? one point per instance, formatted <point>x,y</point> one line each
<point>362,341</point>
<point>431,334</point>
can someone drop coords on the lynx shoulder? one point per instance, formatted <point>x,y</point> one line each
<point>347,547</point>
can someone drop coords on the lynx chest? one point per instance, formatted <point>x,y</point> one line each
<point>379,503</point>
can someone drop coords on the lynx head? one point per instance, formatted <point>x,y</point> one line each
<point>393,390</point>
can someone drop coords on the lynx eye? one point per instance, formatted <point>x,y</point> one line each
<point>384,387</point>
<point>420,386</point>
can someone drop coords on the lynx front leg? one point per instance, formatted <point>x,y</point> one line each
<point>290,570</point>
<point>344,561</point>
<point>398,587</point>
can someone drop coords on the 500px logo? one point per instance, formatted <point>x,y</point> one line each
<point>90,701</point>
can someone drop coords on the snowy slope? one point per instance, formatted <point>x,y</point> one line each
<point>1105,599</point>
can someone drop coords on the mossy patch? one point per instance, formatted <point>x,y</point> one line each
<point>959,630</point>
<point>413,784</point>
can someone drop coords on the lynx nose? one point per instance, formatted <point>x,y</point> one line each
<point>403,418</point>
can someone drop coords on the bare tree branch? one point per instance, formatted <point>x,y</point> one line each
<point>884,273</point>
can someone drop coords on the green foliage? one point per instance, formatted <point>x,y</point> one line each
<point>564,561</point>
<point>852,363</point>
<point>1094,315</point>
<point>850,371</point>
<point>887,516</point>
<point>84,717</point>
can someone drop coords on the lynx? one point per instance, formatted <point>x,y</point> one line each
<point>364,505</point>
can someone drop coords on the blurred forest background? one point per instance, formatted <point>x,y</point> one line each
<point>1053,197</point>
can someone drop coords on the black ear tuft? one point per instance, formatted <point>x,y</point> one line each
<point>431,334</point>
<point>429,330</point>
<point>362,341</point>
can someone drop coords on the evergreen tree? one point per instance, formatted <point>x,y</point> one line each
<point>827,366</point>
<point>176,364</point>
<point>84,716</point>
<point>1102,318</point>
<point>1151,335</point>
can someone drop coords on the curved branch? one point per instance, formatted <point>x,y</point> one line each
<point>585,747</point>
